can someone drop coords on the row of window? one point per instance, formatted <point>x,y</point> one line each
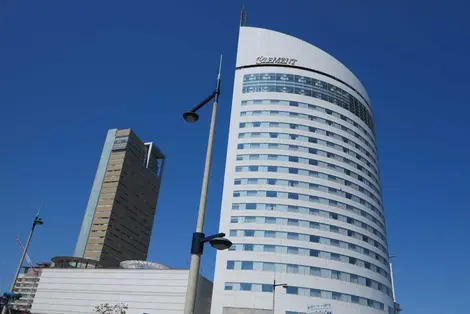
<point>317,293</point>
<point>302,184</point>
<point>313,140</point>
<point>303,138</point>
<point>307,211</point>
<point>304,149</point>
<point>295,115</point>
<point>293,196</point>
<point>302,105</point>
<point>303,224</point>
<point>293,250</point>
<point>309,87</point>
<point>348,183</point>
<point>305,238</point>
<point>300,127</point>
<point>309,271</point>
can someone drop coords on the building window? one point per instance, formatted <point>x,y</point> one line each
<point>247,265</point>
<point>269,248</point>
<point>250,206</point>
<point>248,247</point>
<point>292,236</point>
<point>249,233</point>
<point>271,194</point>
<point>292,222</point>
<point>315,239</point>
<point>314,253</point>
<point>270,220</point>
<point>267,288</point>
<point>269,234</point>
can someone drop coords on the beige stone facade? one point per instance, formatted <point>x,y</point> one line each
<point>126,205</point>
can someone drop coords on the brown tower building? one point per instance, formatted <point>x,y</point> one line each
<point>119,217</point>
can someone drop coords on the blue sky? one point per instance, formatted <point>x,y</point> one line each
<point>70,70</point>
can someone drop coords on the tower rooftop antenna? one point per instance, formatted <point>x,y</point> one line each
<point>243,17</point>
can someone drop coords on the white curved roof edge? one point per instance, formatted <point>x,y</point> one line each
<point>138,264</point>
<point>257,42</point>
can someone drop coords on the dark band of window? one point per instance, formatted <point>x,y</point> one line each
<point>310,70</point>
<point>307,86</point>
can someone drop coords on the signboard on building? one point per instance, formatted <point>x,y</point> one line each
<point>275,60</point>
<point>319,309</point>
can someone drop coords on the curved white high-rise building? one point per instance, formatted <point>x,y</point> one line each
<point>302,199</point>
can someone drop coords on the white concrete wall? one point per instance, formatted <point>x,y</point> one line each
<point>255,42</point>
<point>26,285</point>
<point>149,291</point>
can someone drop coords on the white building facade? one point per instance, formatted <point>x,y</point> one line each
<point>144,291</point>
<point>302,198</point>
<point>26,285</point>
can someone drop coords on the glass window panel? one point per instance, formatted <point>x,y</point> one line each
<point>269,248</point>
<point>249,233</point>
<point>291,268</point>
<point>292,222</point>
<point>292,250</point>
<point>270,220</point>
<point>315,271</point>
<point>315,239</point>
<point>247,265</point>
<point>250,206</point>
<point>248,247</point>
<point>267,288</point>
<point>250,219</point>
<point>270,234</point>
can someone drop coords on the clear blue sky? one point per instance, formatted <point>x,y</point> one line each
<point>70,70</point>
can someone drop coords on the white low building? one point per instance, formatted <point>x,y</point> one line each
<point>26,285</point>
<point>144,291</point>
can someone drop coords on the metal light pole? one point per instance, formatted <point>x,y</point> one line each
<point>37,221</point>
<point>391,277</point>
<point>396,306</point>
<point>217,241</point>
<point>274,292</point>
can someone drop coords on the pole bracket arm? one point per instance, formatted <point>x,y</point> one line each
<point>199,238</point>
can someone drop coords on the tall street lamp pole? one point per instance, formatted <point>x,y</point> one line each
<point>217,240</point>
<point>275,285</point>
<point>37,221</point>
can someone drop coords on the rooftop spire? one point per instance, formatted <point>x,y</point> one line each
<point>243,16</point>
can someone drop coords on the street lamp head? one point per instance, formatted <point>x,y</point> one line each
<point>190,116</point>
<point>38,221</point>
<point>285,286</point>
<point>220,243</point>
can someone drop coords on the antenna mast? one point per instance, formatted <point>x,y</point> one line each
<point>243,17</point>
